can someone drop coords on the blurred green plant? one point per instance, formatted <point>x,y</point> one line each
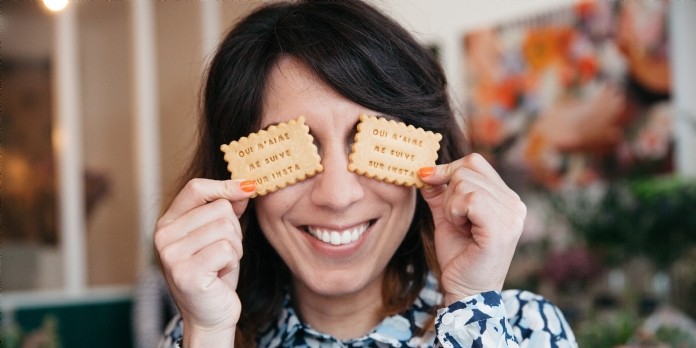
<point>45,336</point>
<point>607,331</point>
<point>623,329</point>
<point>654,217</point>
<point>675,337</point>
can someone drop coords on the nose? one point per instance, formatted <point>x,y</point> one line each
<point>336,188</point>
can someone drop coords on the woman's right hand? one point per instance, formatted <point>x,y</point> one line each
<point>199,245</point>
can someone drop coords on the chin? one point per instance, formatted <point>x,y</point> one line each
<point>338,283</point>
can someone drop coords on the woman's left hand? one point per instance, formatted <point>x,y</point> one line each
<point>478,221</point>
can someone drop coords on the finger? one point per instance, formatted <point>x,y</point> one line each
<point>461,200</point>
<point>466,204</point>
<point>457,208</point>
<point>466,180</point>
<point>473,171</point>
<point>485,211</point>
<point>220,209</point>
<point>199,239</point>
<point>219,257</point>
<point>201,270</point>
<point>198,192</point>
<point>442,174</point>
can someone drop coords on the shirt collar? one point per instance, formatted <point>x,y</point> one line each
<point>393,331</point>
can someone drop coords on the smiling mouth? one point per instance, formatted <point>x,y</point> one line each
<point>335,237</point>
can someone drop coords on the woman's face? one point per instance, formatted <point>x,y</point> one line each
<point>337,230</point>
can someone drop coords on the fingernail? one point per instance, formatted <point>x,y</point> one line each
<point>248,185</point>
<point>425,172</point>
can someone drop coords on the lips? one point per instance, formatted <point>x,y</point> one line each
<point>338,237</point>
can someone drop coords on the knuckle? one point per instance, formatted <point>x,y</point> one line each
<point>477,157</point>
<point>458,173</point>
<point>470,197</point>
<point>224,224</point>
<point>469,160</point>
<point>223,207</point>
<point>226,248</point>
<point>460,187</point>
<point>474,160</point>
<point>464,192</point>
<point>167,254</point>
<point>159,238</point>
<point>195,186</point>
<point>160,224</point>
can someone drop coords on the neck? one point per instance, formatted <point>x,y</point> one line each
<point>341,316</point>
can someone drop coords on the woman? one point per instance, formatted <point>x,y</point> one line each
<point>424,268</point>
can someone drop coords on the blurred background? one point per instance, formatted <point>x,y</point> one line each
<point>586,108</point>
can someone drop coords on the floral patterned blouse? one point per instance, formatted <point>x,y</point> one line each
<point>511,318</point>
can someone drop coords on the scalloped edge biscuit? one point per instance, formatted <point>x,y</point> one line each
<point>392,151</point>
<point>276,157</point>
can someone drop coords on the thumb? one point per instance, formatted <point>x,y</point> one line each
<point>436,195</point>
<point>437,175</point>
<point>433,192</point>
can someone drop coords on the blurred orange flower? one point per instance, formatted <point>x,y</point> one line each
<point>588,67</point>
<point>504,93</point>
<point>487,130</point>
<point>543,47</point>
<point>585,8</point>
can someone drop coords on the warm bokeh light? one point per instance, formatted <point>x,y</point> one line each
<point>55,5</point>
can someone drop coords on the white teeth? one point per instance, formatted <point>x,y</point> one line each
<point>356,234</point>
<point>338,237</point>
<point>335,238</point>
<point>345,237</point>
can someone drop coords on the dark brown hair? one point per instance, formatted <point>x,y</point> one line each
<point>366,57</point>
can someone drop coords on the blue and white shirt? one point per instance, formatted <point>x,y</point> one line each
<point>512,318</point>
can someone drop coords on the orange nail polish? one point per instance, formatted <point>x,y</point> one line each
<point>248,185</point>
<point>425,172</point>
